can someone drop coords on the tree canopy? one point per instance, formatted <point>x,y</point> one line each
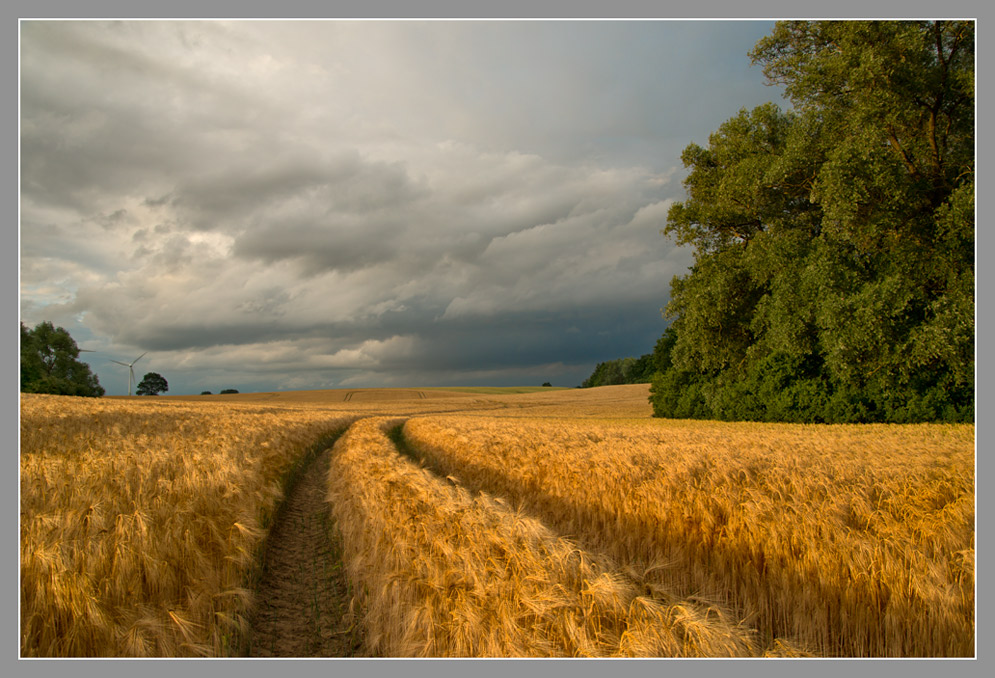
<point>152,383</point>
<point>50,363</point>
<point>833,274</point>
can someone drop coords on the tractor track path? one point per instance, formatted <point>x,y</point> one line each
<point>302,599</point>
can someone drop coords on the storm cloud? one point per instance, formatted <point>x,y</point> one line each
<point>283,205</point>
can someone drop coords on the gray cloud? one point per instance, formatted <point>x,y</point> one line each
<point>307,204</point>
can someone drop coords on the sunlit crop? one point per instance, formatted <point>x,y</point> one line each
<point>552,523</point>
<point>446,573</point>
<point>140,521</point>
<point>849,540</point>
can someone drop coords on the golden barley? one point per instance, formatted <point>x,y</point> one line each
<point>441,572</point>
<point>140,520</point>
<point>537,524</point>
<point>843,539</point>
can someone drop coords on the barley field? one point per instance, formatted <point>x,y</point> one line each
<point>845,540</point>
<point>446,573</point>
<point>495,523</point>
<point>140,521</point>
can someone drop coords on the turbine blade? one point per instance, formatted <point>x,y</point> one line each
<point>121,363</point>
<point>138,358</point>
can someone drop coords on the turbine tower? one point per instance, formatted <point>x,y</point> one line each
<point>131,369</point>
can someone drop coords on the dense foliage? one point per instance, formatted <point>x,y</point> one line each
<point>622,371</point>
<point>50,363</point>
<point>833,278</point>
<point>152,383</point>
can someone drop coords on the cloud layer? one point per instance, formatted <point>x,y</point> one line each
<point>272,205</point>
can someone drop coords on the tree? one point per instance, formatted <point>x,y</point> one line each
<point>205,393</point>
<point>621,371</point>
<point>833,277</point>
<point>49,363</point>
<point>228,391</point>
<point>152,383</point>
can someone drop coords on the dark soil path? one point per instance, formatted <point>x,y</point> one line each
<point>302,601</point>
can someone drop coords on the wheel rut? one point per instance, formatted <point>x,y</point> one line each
<point>303,596</point>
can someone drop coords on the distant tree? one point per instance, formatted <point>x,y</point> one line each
<point>546,383</point>
<point>49,363</point>
<point>152,383</point>
<point>622,371</point>
<point>229,390</point>
<point>642,370</point>
<point>596,377</point>
<point>607,373</point>
<point>205,393</point>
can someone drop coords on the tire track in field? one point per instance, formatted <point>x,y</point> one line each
<point>451,475</point>
<point>302,600</point>
<point>634,569</point>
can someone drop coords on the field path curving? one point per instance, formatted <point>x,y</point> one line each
<point>302,601</point>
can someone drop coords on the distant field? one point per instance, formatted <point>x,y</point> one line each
<point>499,522</point>
<point>498,390</point>
<point>629,401</point>
<point>316,396</point>
<point>347,394</point>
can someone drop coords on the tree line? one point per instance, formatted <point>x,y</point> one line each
<point>622,371</point>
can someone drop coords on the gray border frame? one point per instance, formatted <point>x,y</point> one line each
<point>766,9</point>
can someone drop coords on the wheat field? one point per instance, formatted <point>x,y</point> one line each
<point>497,523</point>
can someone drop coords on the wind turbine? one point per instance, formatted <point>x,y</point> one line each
<point>131,369</point>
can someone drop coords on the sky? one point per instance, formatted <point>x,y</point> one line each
<point>276,205</point>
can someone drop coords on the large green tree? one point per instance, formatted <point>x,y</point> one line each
<point>833,277</point>
<point>50,363</point>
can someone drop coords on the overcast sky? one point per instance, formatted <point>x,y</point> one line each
<point>322,204</point>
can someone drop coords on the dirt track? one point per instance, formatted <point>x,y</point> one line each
<point>302,602</point>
